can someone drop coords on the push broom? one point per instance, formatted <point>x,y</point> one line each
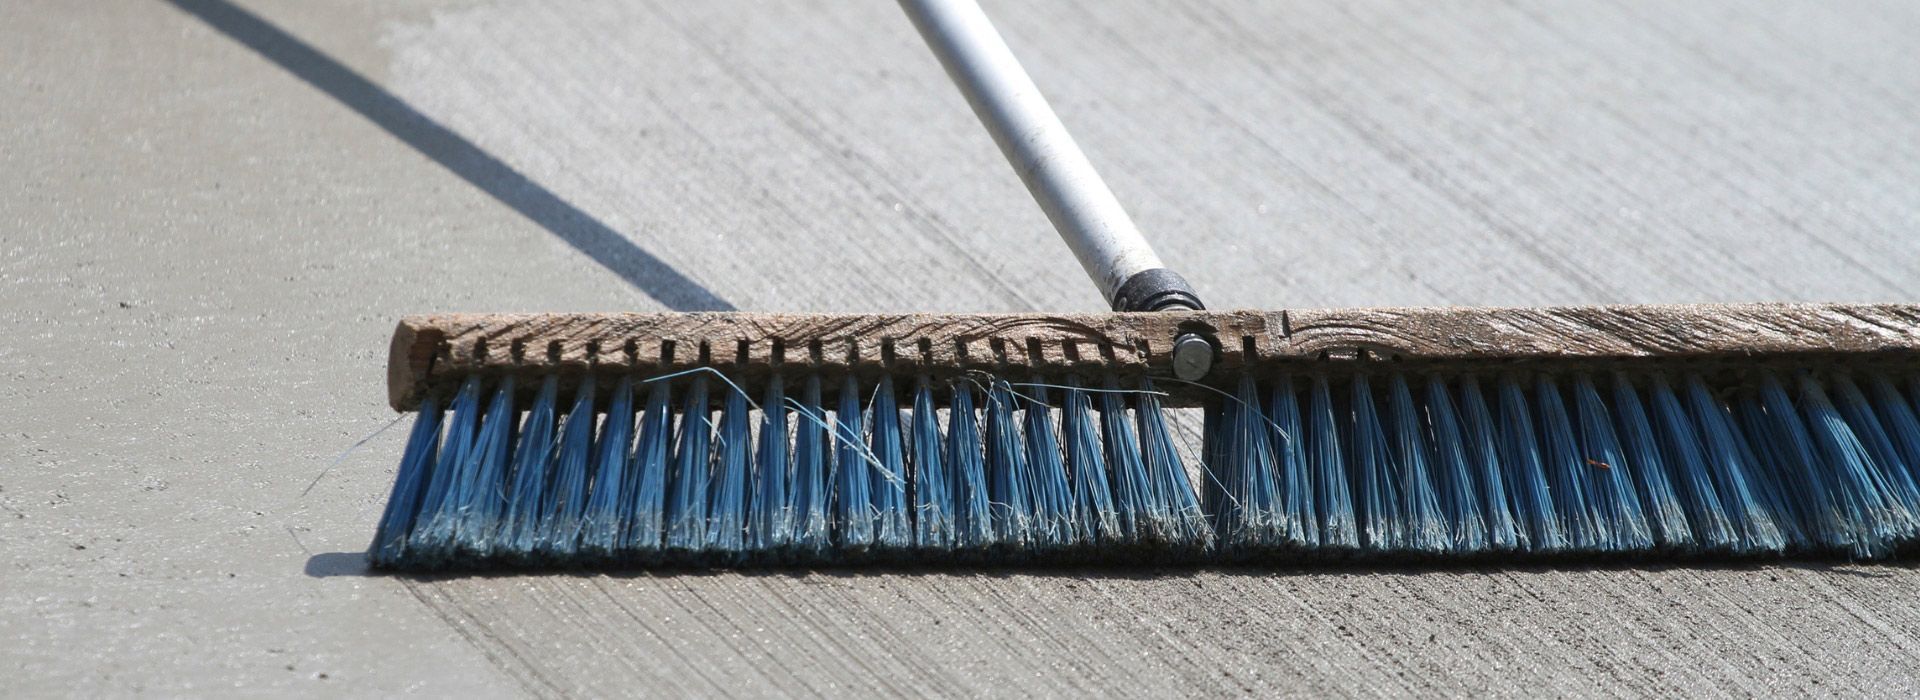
<point>722,439</point>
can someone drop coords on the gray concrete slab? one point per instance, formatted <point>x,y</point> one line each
<point>210,216</point>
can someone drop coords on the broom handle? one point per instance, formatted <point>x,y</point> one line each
<point>1082,209</point>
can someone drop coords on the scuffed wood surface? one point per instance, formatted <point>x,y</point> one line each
<point>433,351</point>
<point>1681,330</point>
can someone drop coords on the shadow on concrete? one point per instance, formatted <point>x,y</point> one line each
<point>332,564</point>
<point>355,564</point>
<point>458,155</point>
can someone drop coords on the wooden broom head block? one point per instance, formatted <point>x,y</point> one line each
<point>435,352</point>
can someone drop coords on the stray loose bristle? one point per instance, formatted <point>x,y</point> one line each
<point>645,471</point>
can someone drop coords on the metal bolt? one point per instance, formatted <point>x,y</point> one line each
<point>1192,357</point>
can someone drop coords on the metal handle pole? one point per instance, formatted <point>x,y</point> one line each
<point>1082,209</point>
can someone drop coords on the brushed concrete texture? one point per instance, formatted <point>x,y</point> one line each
<point>210,216</point>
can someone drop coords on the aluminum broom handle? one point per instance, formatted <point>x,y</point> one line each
<point>1092,222</point>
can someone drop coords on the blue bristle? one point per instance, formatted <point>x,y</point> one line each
<point>1243,491</point>
<point>893,528</point>
<point>1382,527</point>
<point>1610,484</point>
<point>1333,496</point>
<point>1732,477</point>
<point>770,509</point>
<point>690,476</point>
<point>727,494</point>
<point>430,539</point>
<point>1831,465</point>
<point>1505,528</point>
<point>932,492</point>
<point>484,494</point>
<point>1526,477</point>
<point>1666,515</point>
<point>647,521</point>
<point>1224,477</point>
<point>1567,470</point>
<point>603,523</point>
<point>1427,530</point>
<point>462,523</point>
<point>1052,497</point>
<point>972,510</point>
<point>1877,522</point>
<point>812,535</point>
<point>852,512</point>
<point>1903,426</point>
<point>1890,469</point>
<point>559,536</point>
<point>409,485</point>
<point>1095,517</point>
<point>1214,457</point>
<point>1295,498</point>
<point>1831,519</point>
<point>1686,460</point>
<point>1763,452</point>
<point>1774,481</point>
<point>532,471</point>
<point>1009,480</point>
<point>1133,497</point>
<point>1172,487</point>
<point>1459,491</point>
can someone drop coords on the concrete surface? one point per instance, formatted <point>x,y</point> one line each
<point>211,215</point>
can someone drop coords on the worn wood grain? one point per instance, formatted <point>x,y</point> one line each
<point>431,352</point>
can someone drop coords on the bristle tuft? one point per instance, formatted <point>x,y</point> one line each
<point>686,470</point>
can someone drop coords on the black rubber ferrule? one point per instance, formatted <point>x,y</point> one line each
<point>1155,290</point>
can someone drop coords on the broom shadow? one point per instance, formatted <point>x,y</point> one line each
<point>354,564</point>
<point>459,156</point>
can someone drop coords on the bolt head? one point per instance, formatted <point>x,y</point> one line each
<point>1192,357</point>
